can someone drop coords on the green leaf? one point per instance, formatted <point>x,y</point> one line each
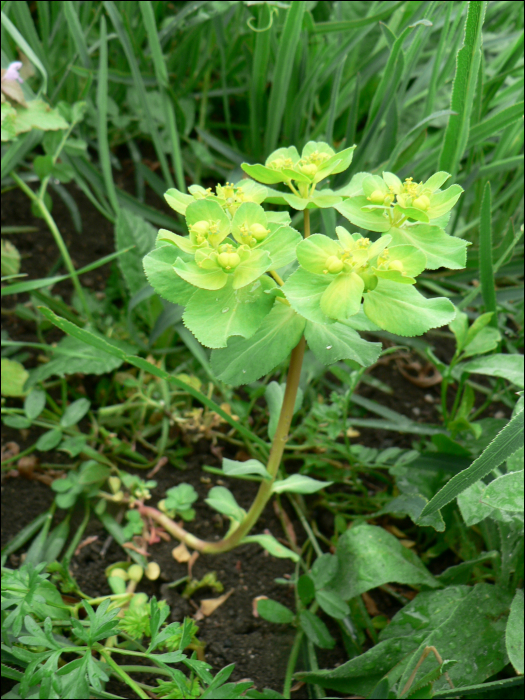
<point>75,412</point>
<point>370,556</point>
<point>244,361</point>
<point>316,630</point>
<point>212,279</point>
<point>178,200</point>
<point>49,440</point>
<point>337,341</point>
<point>158,266</point>
<point>37,115</point>
<point>486,267</point>
<point>509,367</point>
<point>441,249</point>
<point>180,498</point>
<point>506,492</point>
<point>251,269</point>
<point>274,395</point>
<point>14,376</point>
<point>443,619</point>
<point>251,466</point>
<point>299,483</point>
<point>10,262</point>
<point>485,340</point>
<point>275,548</point>
<point>305,589</point>
<point>273,611</point>
<point>132,230</point>
<point>514,632</point>
<point>223,500</point>
<point>472,509</point>
<point>402,310</point>
<point>34,403</point>
<point>312,252</point>
<point>369,219</point>
<point>261,173</point>
<point>343,295</point>
<point>17,422</point>
<point>332,604</point>
<point>72,355</point>
<point>211,211</point>
<point>324,569</point>
<point>304,291</point>
<point>281,244</point>
<point>215,316</point>
<point>506,442</point>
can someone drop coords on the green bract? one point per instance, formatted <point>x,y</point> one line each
<point>410,213</point>
<point>302,173</point>
<point>228,196</point>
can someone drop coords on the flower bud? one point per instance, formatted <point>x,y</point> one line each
<point>135,572</point>
<point>334,265</point>
<point>422,202</point>
<point>228,261</point>
<point>259,232</point>
<point>200,228</point>
<point>310,169</point>
<point>152,571</point>
<point>114,483</point>
<point>377,197</point>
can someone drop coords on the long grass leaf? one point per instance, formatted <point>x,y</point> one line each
<point>467,68</point>
<point>259,75</point>
<point>102,117</point>
<point>345,25</point>
<point>486,271</point>
<point>505,444</point>
<point>75,29</point>
<point>496,122</point>
<point>283,72</point>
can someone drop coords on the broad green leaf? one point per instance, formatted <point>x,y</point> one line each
<point>312,252</point>
<point>505,444</point>
<point>442,202</point>
<point>462,573</point>
<point>281,244</point>
<point>37,115</point>
<point>49,440</point>
<point>275,548</point>
<point>506,492</point>
<point>215,316</point>
<point>337,341</point>
<point>14,376</point>
<point>369,557</point>
<point>34,403</point>
<point>178,200</point>
<point>244,361</point>
<point>485,340</point>
<point>299,483</point>
<point>305,589</point>
<point>251,269</point>
<point>472,509</point>
<point>515,461</point>
<point>223,500</point>
<point>274,395</point>
<point>343,295</point>
<point>443,619</point>
<point>273,611</point>
<point>211,211</point>
<point>324,569</point>
<point>91,472</point>
<point>412,504</point>
<point>213,279</point>
<point>316,630</point>
<point>72,355</point>
<point>261,173</point>
<point>132,230</point>
<point>332,604</point>
<point>251,466</point>
<point>10,261</point>
<point>369,219</point>
<point>158,266</point>
<point>514,632</point>
<point>459,326</point>
<point>402,310</point>
<point>304,291</point>
<point>507,366</point>
<point>181,497</point>
<point>441,249</point>
<point>75,412</point>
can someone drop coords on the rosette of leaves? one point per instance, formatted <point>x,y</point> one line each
<point>229,196</point>
<point>219,270</point>
<point>334,277</point>
<point>411,213</point>
<point>301,173</point>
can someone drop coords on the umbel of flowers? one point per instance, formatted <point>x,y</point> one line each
<point>252,285</point>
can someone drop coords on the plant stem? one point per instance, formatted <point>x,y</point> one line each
<point>123,675</point>
<point>306,213</point>
<point>58,240</point>
<point>265,489</point>
<point>292,662</point>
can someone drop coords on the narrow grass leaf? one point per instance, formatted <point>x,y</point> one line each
<point>76,31</point>
<point>486,270</point>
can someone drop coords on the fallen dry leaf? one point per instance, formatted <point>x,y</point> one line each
<point>191,562</point>
<point>181,553</point>
<point>10,449</point>
<point>210,605</point>
<point>84,543</point>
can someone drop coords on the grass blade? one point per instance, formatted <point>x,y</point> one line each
<point>261,57</point>
<point>467,69</point>
<point>506,442</point>
<point>75,29</point>
<point>345,25</point>
<point>102,117</point>
<point>283,73</point>
<point>486,271</point>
